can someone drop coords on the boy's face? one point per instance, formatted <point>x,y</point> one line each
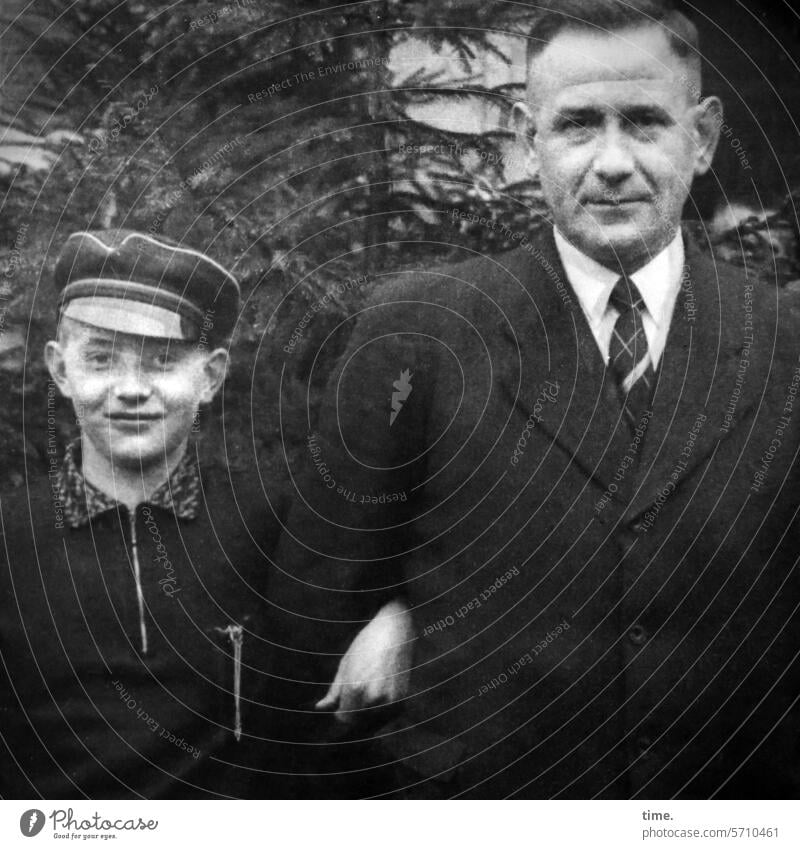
<point>135,396</point>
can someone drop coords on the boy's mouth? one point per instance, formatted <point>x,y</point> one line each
<point>133,417</point>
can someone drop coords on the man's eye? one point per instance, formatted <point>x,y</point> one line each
<point>645,122</point>
<point>578,127</point>
<point>576,123</point>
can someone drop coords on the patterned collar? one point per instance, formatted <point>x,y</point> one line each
<point>82,501</point>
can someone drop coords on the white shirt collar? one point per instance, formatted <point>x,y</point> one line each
<point>658,282</point>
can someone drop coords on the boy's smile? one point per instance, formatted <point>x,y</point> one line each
<point>136,397</point>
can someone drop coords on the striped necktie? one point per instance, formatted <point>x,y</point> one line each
<point>629,357</point>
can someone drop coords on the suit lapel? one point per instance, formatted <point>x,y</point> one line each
<point>703,390</point>
<point>551,341</point>
<point>697,381</point>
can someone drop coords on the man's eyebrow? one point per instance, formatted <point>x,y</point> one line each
<point>577,114</point>
<point>649,110</point>
<point>581,114</point>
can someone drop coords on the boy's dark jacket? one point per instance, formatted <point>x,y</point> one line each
<point>83,712</point>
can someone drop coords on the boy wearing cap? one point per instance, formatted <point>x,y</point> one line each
<point>132,622</point>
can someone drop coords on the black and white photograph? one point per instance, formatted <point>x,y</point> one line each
<point>401,402</point>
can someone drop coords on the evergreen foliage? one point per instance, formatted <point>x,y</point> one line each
<point>277,136</point>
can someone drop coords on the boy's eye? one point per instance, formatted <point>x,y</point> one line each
<point>98,359</point>
<point>165,358</point>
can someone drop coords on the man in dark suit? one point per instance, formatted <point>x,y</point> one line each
<point>577,464</point>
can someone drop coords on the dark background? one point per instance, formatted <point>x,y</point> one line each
<point>751,51</point>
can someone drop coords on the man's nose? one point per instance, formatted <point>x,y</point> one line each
<point>613,161</point>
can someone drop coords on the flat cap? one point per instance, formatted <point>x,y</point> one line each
<point>145,285</point>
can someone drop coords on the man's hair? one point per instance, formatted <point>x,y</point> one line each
<point>553,16</point>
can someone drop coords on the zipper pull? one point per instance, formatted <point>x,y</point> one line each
<point>236,636</point>
<point>137,576</point>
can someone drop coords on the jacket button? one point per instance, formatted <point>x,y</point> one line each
<point>643,744</point>
<point>637,635</point>
<point>637,527</point>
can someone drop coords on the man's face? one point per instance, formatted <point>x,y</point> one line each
<point>135,397</point>
<point>618,140</point>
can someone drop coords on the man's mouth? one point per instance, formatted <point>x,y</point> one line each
<point>614,202</point>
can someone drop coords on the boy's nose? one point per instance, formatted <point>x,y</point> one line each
<point>132,386</point>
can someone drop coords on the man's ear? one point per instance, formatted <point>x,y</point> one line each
<point>523,128</point>
<point>54,358</point>
<point>707,126</point>
<point>214,369</point>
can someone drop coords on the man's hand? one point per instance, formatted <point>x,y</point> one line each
<point>375,670</point>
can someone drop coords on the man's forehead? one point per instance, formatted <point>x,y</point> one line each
<point>641,57</point>
<point>612,95</point>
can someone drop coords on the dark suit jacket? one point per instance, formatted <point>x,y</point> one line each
<point>598,613</point>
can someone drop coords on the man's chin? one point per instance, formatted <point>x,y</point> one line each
<point>623,246</point>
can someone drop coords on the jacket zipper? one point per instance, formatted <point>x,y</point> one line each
<point>137,573</point>
<point>236,636</point>
<point>235,633</point>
